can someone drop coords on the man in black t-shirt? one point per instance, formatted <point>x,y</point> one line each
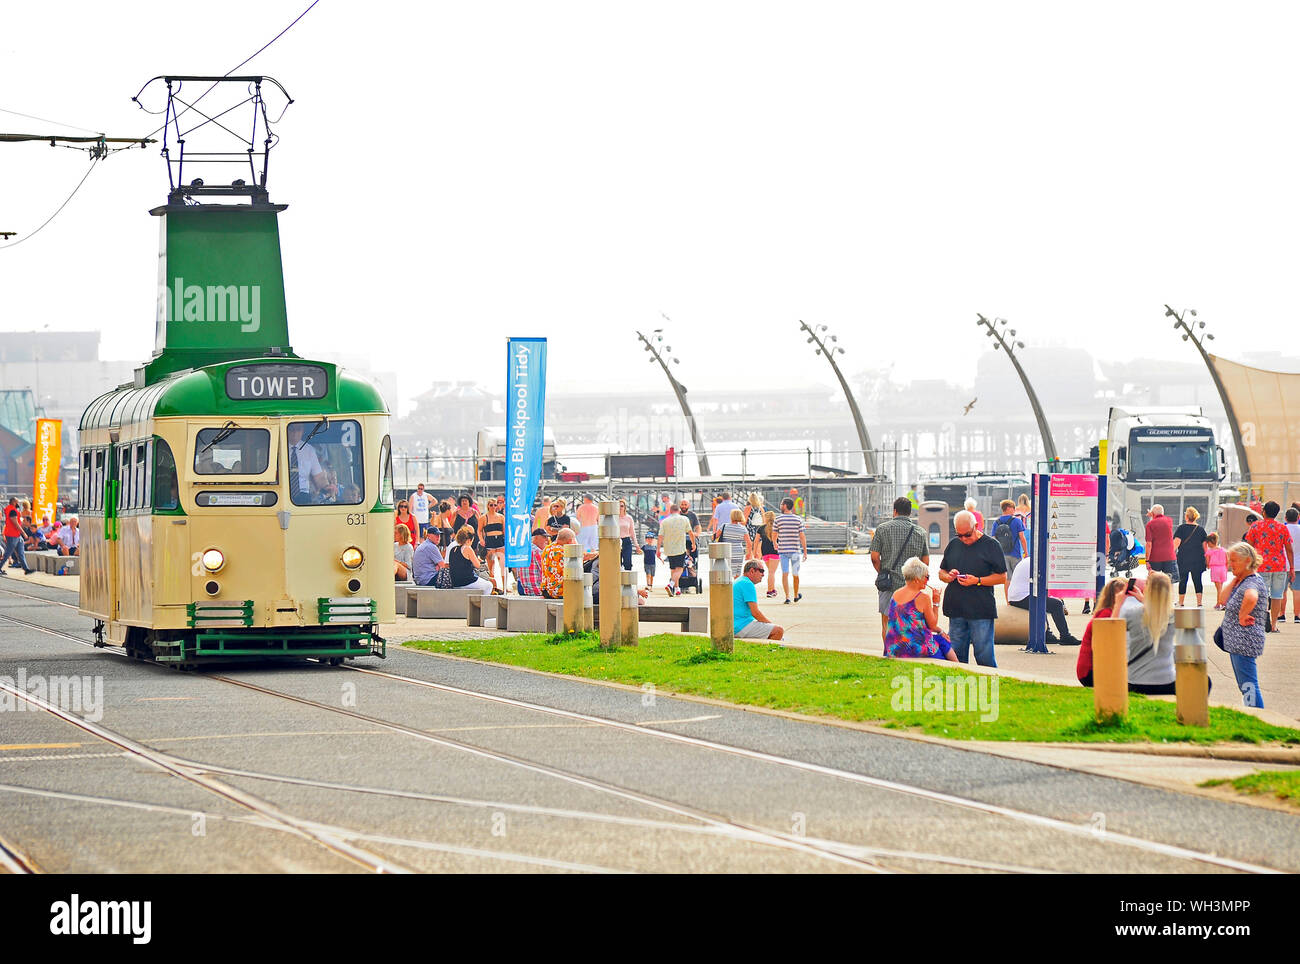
<point>972,565</point>
<point>694,520</point>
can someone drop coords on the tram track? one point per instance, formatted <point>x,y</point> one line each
<point>827,849</point>
<point>192,774</point>
<point>13,861</point>
<point>737,830</point>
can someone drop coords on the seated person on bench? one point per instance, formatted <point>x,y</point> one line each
<point>1018,591</point>
<point>529,581</point>
<point>428,559</point>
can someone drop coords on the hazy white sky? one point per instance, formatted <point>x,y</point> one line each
<point>461,172</point>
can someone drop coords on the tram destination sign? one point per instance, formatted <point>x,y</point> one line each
<point>260,382</point>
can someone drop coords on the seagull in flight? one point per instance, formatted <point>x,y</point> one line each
<point>970,406</point>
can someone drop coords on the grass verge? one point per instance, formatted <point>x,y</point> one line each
<point>906,694</point>
<point>1284,785</point>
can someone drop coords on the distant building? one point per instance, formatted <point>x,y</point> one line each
<point>62,370</point>
<point>18,415</point>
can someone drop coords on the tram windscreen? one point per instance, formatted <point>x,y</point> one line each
<point>325,463</point>
<point>232,451</point>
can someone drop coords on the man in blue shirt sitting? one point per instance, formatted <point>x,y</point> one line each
<point>748,621</point>
<point>428,557</point>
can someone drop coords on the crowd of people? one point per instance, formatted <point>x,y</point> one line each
<point>23,534</point>
<point>1250,578</point>
<point>450,545</point>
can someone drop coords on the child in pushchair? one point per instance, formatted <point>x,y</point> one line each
<point>689,577</point>
<point>1124,552</point>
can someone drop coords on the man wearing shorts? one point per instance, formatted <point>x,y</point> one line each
<point>1272,541</point>
<point>420,506</point>
<point>674,534</point>
<point>791,545</point>
<point>747,620</point>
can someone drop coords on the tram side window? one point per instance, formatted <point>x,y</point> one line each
<point>84,483</point>
<point>97,481</point>
<point>140,477</point>
<point>325,463</point>
<point>232,451</point>
<point>166,492</point>
<point>386,472</point>
<point>123,477</point>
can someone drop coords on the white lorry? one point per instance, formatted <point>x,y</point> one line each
<point>1165,456</point>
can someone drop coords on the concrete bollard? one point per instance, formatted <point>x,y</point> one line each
<point>1192,678</point>
<point>721,620</point>
<point>611,551</point>
<point>1110,668</point>
<point>588,604</point>
<point>629,623</point>
<point>573,621</point>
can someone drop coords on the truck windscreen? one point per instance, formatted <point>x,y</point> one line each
<point>1160,459</point>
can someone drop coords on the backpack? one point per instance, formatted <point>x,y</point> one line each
<point>1006,539</point>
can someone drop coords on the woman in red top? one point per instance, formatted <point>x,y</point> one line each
<point>1107,602</point>
<point>404,518</point>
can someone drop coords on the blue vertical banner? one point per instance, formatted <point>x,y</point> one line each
<point>525,420</point>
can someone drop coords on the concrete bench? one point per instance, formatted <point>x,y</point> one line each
<point>692,619</point>
<point>426,602</point>
<point>516,614</point>
<point>46,560</point>
<point>1012,624</point>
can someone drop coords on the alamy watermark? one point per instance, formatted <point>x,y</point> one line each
<point>213,303</point>
<point>920,692</point>
<point>83,695</point>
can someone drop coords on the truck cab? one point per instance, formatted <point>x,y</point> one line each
<point>1166,456</point>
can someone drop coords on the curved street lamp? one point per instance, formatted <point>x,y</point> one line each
<point>864,440</point>
<point>1189,334</point>
<point>996,329</point>
<point>653,345</point>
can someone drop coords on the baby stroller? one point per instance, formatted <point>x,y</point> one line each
<point>690,578</point>
<point>1124,552</point>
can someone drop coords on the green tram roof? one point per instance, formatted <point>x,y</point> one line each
<point>202,392</point>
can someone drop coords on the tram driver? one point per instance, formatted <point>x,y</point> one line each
<point>306,473</point>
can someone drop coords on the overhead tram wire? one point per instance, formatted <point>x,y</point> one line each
<point>46,120</point>
<point>141,141</point>
<point>246,60</point>
<point>32,234</point>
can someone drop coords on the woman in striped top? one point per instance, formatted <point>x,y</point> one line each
<point>735,533</point>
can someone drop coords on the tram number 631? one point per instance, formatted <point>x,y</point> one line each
<point>356,518</point>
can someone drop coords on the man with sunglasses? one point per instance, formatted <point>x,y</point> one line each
<point>972,565</point>
<point>420,504</point>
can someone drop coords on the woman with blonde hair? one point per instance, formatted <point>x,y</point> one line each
<point>1245,600</point>
<point>403,553</point>
<point>1189,553</point>
<point>754,522</point>
<point>735,534</point>
<point>766,543</point>
<point>1148,612</point>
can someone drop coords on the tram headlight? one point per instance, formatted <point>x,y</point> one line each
<point>352,558</point>
<point>213,560</point>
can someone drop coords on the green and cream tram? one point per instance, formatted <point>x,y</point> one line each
<point>239,510</point>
